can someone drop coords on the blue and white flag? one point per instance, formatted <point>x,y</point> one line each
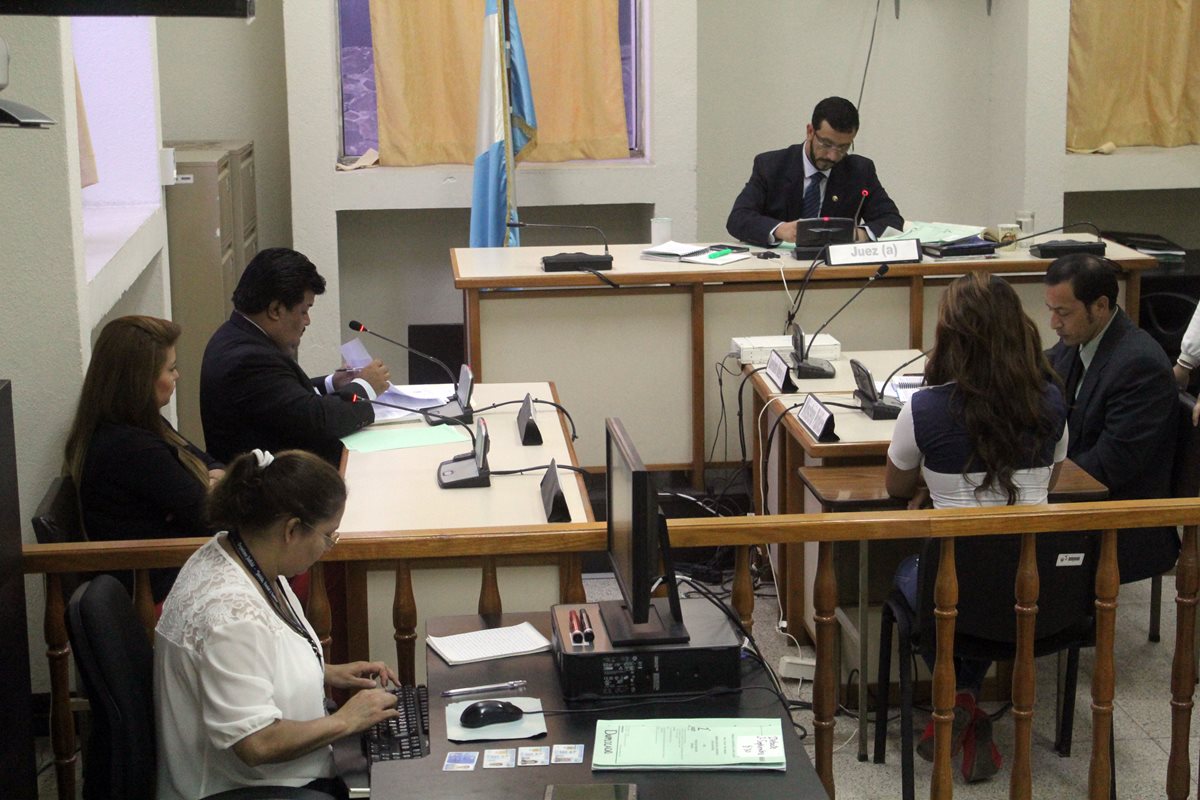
<point>503,83</point>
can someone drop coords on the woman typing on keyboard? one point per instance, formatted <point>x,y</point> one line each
<point>239,677</point>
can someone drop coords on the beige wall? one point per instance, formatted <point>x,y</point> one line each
<point>225,79</point>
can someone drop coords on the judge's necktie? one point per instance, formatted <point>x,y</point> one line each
<point>811,205</point>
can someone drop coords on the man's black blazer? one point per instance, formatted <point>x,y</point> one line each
<point>775,193</point>
<point>1122,433</point>
<point>252,394</point>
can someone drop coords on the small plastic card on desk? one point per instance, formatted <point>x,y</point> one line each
<point>500,759</point>
<point>532,724</point>
<point>460,761</point>
<point>533,756</point>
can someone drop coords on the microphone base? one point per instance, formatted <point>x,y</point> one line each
<point>446,413</point>
<point>1065,247</point>
<point>812,368</point>
<point>575,262</point>
<point>463,473</point>
<point>883,408</point>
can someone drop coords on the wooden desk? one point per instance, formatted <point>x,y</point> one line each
<point>861,488</point>
<point>395,491</point>
<point>424,777</point>
<point>679,319</point>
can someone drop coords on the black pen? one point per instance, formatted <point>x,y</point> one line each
<point>588,634</point>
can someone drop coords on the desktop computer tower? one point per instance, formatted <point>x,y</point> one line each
<point>600,670</point>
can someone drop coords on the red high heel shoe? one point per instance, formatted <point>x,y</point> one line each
<point>981,757</point>
<point>964,712</point>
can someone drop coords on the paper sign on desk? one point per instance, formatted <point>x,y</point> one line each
<point>689,744</point>
<point>398,437</point>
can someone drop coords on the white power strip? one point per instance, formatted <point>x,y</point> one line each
<point>798,668</point>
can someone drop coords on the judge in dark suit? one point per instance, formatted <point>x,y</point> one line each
<point>1121,397</point>
<point>253,394</point>
<point>815,178</point>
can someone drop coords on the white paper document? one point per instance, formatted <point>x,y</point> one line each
<point>425,395</point>
<point>689,744</point>
<point>465,648</point>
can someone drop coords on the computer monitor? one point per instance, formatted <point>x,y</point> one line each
<point>638,550</point>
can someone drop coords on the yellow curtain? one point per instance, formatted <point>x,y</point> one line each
<point>427,79</point>
<point>1134,73</point>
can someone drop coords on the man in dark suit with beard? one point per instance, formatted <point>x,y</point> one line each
<point>817,178</point>
<point>253,394</point>
<point>1121,398</point>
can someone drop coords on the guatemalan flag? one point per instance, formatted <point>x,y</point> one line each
<point>502,137</point>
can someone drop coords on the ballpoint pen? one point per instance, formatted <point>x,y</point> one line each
<point>491,687</point>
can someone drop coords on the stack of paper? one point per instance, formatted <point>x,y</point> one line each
<point>934,232</point>
<point>696,253</point>
<point>689,744</point>
<point>485,645</point>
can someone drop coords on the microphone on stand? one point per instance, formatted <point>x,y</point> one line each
<point>572,262</point>
<point>358,327</point>
<point>893,373</point>
<point>858,210</point>
<point>809,368</point>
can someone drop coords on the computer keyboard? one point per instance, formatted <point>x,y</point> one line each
<point>406,736</point>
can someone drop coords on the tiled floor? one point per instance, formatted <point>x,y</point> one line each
<point>1142,715</point>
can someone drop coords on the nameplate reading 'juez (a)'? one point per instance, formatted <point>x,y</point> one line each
<point>893,251</point>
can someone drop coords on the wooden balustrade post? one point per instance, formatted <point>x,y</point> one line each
<point>743,586</point>
<point>824,680</point>
<point>945,597</point>
<point>1108,579</point>
<point>489,589</point>
<point>317,609</point>
<point>404,621</point>
<point>1183,667</point>
<point>1023,678</point>
<point>570,579</point>
<point>143,602</point>
<point>58,654</point>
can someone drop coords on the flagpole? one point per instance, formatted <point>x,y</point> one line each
<point>510,164</point>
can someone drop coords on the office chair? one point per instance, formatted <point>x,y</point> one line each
<point>986,624</point>
<point>1165,316</point>
<point>117,665</point>
<point>1185,482</point>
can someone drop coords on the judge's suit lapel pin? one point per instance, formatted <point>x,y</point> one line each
<point>835,198</point>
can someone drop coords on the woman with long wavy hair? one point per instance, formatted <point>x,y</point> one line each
<point>137,477</point>
<point>989,429</point>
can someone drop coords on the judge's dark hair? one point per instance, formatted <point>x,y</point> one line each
<point>839,112</point>
<point>276,273</point>
<point>1091,277</point>
<point>296,484</point>
<point>989,347</point>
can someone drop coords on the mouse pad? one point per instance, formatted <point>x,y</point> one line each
<point>530,726</point>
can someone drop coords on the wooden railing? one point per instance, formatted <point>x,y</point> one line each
<point>946,524</point>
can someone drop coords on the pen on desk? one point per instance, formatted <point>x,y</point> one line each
<point>588,634</point>
<point>719,253</point>
<point>491,687</point>
<point>576,629</point>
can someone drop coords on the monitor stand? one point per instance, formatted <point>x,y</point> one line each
<point>661,627</point>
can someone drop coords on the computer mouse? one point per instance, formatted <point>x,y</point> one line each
<point>489,712</point>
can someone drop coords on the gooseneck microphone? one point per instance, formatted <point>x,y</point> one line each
<point>857,211</point>
<point>1064,247</point>
<point>572,262</point>
<point>893,373</point>
<point>807,367</point>
<point>358,327</point>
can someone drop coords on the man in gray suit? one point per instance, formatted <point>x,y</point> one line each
<point>1121,399</point>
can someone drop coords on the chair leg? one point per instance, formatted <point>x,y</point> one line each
<point>1066,717</point>
<point>884,681</point>
<point>1155,606</point>
<point>1112,764</point>
<point>906,706</point>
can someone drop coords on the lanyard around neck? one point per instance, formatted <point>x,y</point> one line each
<point>291,619</point>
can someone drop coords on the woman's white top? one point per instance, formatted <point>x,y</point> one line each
<point>225,666</point>
<point>928,435</point>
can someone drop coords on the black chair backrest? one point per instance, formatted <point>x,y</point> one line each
<point>1165,316</point>
<point>117,665</point>
<point>1185,476</point>
<point>987,570</point>
<point>57,521</point>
